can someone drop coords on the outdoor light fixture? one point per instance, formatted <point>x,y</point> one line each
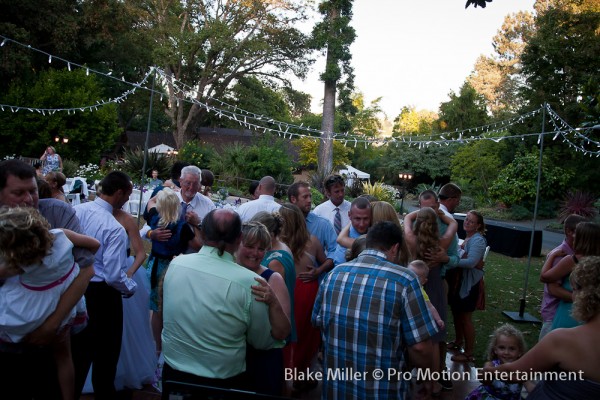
<point>65,140</point>
<point>405,177</point>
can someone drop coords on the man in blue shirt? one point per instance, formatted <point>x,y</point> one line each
<point>100,342</point>
<point>371,311</point>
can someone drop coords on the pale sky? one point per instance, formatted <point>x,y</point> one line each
<point>414,52</point>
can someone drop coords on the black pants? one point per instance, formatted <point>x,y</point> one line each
<point>29,374</point>
<point>170,374</point>
<point>99,344</point>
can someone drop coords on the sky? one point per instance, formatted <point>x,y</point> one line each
<point>414,52</point>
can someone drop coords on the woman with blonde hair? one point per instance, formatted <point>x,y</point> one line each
<point>56,180</point>
<point>165,213</point>
<point>308,255</point>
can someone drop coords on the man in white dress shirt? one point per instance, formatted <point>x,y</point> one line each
<point>336,207</point>
<point>99,344</point>
<point>265,201</point>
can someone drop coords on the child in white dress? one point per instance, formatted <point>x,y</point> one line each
<point>37,266</point>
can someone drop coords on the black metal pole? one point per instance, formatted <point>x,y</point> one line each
<point>146,146</point>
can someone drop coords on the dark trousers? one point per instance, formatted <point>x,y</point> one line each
<point>171,374</point>
<point>99,344</point>
<point>29,374</point>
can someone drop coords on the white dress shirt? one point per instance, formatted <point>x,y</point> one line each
<point>110,262</point>
<point>251,208</point>
<point>200,204</point>
<point>327,211</point>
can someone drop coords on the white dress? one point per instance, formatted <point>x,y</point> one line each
<point>28,299</point>
<point>137,361</point>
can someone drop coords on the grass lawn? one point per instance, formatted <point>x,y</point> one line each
<point>504,282</point>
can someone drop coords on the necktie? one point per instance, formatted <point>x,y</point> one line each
<point>184,207</point>
<point>337,221</point>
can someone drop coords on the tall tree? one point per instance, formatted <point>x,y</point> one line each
<point>410,121</point>
<point>334,35</point>
<point>465,110</point>
<point>208,45</point>
<point>366,120</point>
<point>498,78</point>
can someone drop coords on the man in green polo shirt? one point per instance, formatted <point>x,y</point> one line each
<point>210,312</point>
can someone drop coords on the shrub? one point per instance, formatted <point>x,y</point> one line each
<point>381,191</point>
<point>70,167</point>
<point>519,213</point>
<point>91,172</point>
<point>466,204</point>
<point>134,162</point>
<point>193,153</point>
<point>317,196</point>
<point>580,203</point>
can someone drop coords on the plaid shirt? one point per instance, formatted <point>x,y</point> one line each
<point>369,311</point>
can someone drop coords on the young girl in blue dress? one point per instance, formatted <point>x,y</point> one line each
<point>506,345</point>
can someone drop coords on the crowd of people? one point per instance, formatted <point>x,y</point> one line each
<point>253,298</point>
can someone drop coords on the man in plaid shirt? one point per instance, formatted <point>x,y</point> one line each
<point>370,311</point>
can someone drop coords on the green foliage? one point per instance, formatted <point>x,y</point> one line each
<point>269,159</point>
<point>366,119</point>
<point>410,122</point>
<point>309,149</point>
<point>253,95</point>
<point>466,204</point>
<point>428,163</point>
<point>478,163</point>
<point>519,213</point>
<point>196,154</point>
<point>517,182</point>
<point>134,163</point>
<point>381,191</point>
<point>317,196</point>
<point>70,167</point>
<point>465,110</point>
<point>230,162</point>
<point>89,132</point>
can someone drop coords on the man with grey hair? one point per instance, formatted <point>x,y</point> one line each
<point>265,201</point>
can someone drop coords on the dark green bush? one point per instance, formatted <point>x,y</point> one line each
<point>519,213</point>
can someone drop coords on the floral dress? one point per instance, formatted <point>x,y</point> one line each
<point>497,389</point>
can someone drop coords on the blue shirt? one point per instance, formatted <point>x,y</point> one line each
<point>339,256</point>
<point>323,230</point>
<point>110,262</point>
<point>369,311</point>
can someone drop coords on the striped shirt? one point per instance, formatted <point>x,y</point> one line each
<point>369,311</point>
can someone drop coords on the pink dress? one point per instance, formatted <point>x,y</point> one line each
<point>28,299</point>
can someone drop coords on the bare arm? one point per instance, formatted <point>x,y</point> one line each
<point>325,264</point>
<point>344,239</point>
<point>80,240</point>
<point>556,290</point>
<point>280,322</point>
<point>559,271</point>
<point>130,226</point>
<point>421,354</point>
<point>448,236</point>
<point>409,235</point>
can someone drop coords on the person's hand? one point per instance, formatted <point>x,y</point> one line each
<point>192,218</point>
<point>160,234</point>
<point>440,324</point>
<point>44,334</point>
<point>311,274</point>
<point>263,291</point>
<point>436,256</point>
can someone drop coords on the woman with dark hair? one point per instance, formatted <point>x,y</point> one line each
<point>464,288</point>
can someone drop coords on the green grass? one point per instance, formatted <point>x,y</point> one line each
<point>504,281</point>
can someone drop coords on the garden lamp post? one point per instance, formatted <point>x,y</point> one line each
<point>405,178</point>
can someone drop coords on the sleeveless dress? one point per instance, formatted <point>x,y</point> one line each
<point>28,299</point>
<point>52,163</point>
<point>496,390</point>
<point>137,361</point>
<point>287,261</point>
<point>562,317</point>
<point>264,368</point>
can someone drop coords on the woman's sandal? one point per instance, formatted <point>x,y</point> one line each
<point>453,346</point>
<point>462,358</point>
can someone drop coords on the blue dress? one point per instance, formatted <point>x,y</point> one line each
<point>287,261</point>
<point>496,390</point>
<point>563,318</point>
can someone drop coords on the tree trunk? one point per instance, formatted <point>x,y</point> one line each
<point>325,164</point>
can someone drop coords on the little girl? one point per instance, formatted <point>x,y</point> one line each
<point>43,260</point>
<point>507,345</point>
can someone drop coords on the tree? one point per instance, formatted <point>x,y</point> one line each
<point>308,150</point>
<point>206,46</point>
<point>410,122</point>
<point>517,182</point>
<point>335,35</point>
<point>250,94</point>
<point>561,58</point>
<point>89,132</point>
<point>428,163</point>
<point>466,110</point>
<point>365,121</point>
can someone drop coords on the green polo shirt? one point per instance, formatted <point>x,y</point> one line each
<point>209,314</point>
